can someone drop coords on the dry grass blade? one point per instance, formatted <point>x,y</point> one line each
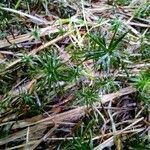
<point>122,92</point>
<point>25,15</point>
<point>22,133</point>
<point>70,115</point>
<point>76,72</point>
<point>109,142</point>
<point>44,137</point>
<point>28,36</point>
<point>34,51</point>
<point>73,114</point>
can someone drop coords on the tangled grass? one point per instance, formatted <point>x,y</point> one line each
<point>74,74</point>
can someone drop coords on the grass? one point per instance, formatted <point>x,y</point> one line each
<point>105,56</point>
<point>74,75</point>
<point>142,83</point>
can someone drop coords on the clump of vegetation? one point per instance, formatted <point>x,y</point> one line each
<point>106,56</point>
<point>142,83</point>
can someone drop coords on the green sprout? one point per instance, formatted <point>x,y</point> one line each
<point>106,56</point>
<point>142,83</point>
